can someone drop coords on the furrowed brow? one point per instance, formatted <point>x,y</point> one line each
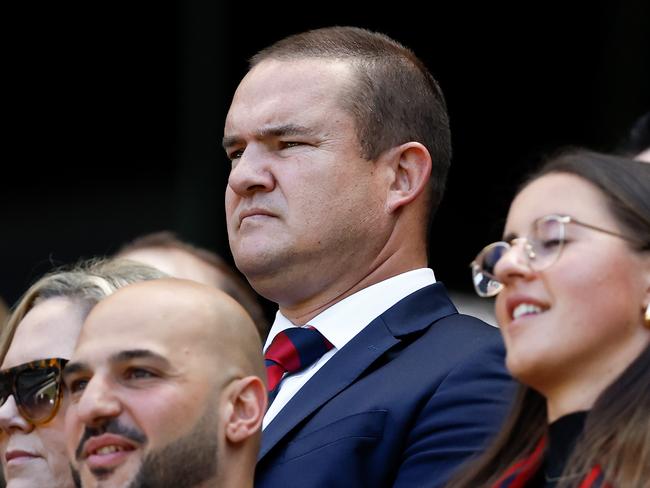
<point>273,131</point>
<point>229,141</point>
<point>285,130</point>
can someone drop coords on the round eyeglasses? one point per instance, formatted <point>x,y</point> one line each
<point>542,248</point>
<point>36,387</point>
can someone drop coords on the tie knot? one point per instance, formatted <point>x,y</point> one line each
<point>297,348</point>
<point>293,350</point>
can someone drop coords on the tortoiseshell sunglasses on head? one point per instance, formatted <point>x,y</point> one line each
<point>36,387</point>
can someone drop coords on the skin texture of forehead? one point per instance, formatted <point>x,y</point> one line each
<point>175,313</point>
<point>279,78</point>
<point>177,263</point>
<point>564,193</point>
<point>49,329</point>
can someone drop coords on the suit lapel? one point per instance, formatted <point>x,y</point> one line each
<point>413,313</point>
<point>339,372</point>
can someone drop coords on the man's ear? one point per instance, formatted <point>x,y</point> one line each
<point>411,168</point>
<point>247,399</point>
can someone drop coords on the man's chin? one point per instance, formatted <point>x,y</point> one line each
<point>111,475</point>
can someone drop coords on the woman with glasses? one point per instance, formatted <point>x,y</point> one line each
<point>39,337</point>
<point>572,284</point>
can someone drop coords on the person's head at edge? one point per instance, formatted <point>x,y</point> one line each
<point>4,313</point>
<point>180,259</point>
<point>45,324</point>
<point>166,389</point>
<point>578,332</point>
<point>636,143</point>
<point>340,146</point>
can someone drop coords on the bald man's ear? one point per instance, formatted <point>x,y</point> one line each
<point>247,399</point>
<point>410,166</point>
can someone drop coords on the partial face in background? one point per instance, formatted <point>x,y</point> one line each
<point>31,455</point>
<point>580,319</point>
<point>179,264</point>
<point>644,155</point>
<point>143,402</point>
<point>300,196</point>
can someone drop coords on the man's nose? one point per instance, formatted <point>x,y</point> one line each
<point>252,172</point>
<point>98,402</point>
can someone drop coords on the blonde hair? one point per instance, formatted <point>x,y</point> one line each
<point>4,313</point>
<point>86,282</point>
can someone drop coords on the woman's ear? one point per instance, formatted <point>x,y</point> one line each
<point>247,400</point>
<point>411,169</point>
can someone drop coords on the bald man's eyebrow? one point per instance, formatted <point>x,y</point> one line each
<point>131,354</point>
<point>509,237</point>
<point>273,131</point>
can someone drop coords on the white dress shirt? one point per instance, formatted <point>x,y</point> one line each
<point>341,322</point>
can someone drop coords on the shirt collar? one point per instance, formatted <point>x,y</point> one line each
<point>345,319</point>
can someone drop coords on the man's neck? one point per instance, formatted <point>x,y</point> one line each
<point>232,480</point>
<point>302,312</point>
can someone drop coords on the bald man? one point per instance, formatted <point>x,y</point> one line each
<point>165,390</point>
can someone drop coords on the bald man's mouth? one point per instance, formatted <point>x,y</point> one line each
<point>104,453</point>
<point>105,447</point>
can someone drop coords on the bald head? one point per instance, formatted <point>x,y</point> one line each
<point>172,370</point>
<point>174,313</point>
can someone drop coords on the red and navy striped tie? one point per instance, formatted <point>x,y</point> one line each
<point>292,350</point>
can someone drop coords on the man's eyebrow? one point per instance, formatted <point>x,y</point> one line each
<point>122,356</point>
<point>273,131</point>
<point>509,237</point>
<point>131,354</point>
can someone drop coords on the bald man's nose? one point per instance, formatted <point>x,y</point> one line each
<point>98,402</point>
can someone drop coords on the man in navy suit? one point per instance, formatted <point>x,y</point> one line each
<point>340,146</point>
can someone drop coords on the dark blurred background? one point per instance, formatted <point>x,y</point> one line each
<point>115,112</point>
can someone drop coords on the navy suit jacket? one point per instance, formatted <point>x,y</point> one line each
<point>413,395</point>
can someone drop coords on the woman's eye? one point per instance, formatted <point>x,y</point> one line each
<point>78,385</point>
<point>551,243</point>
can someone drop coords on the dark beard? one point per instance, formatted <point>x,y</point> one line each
<point>75,477</point>
<point>185,463</point>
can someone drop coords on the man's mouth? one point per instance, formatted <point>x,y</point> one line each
<point>254,212</point>
<point>106,452</point>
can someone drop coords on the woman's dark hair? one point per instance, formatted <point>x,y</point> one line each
<point>617,430</point>
<point>624,182</point>
<point>637,139</point>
